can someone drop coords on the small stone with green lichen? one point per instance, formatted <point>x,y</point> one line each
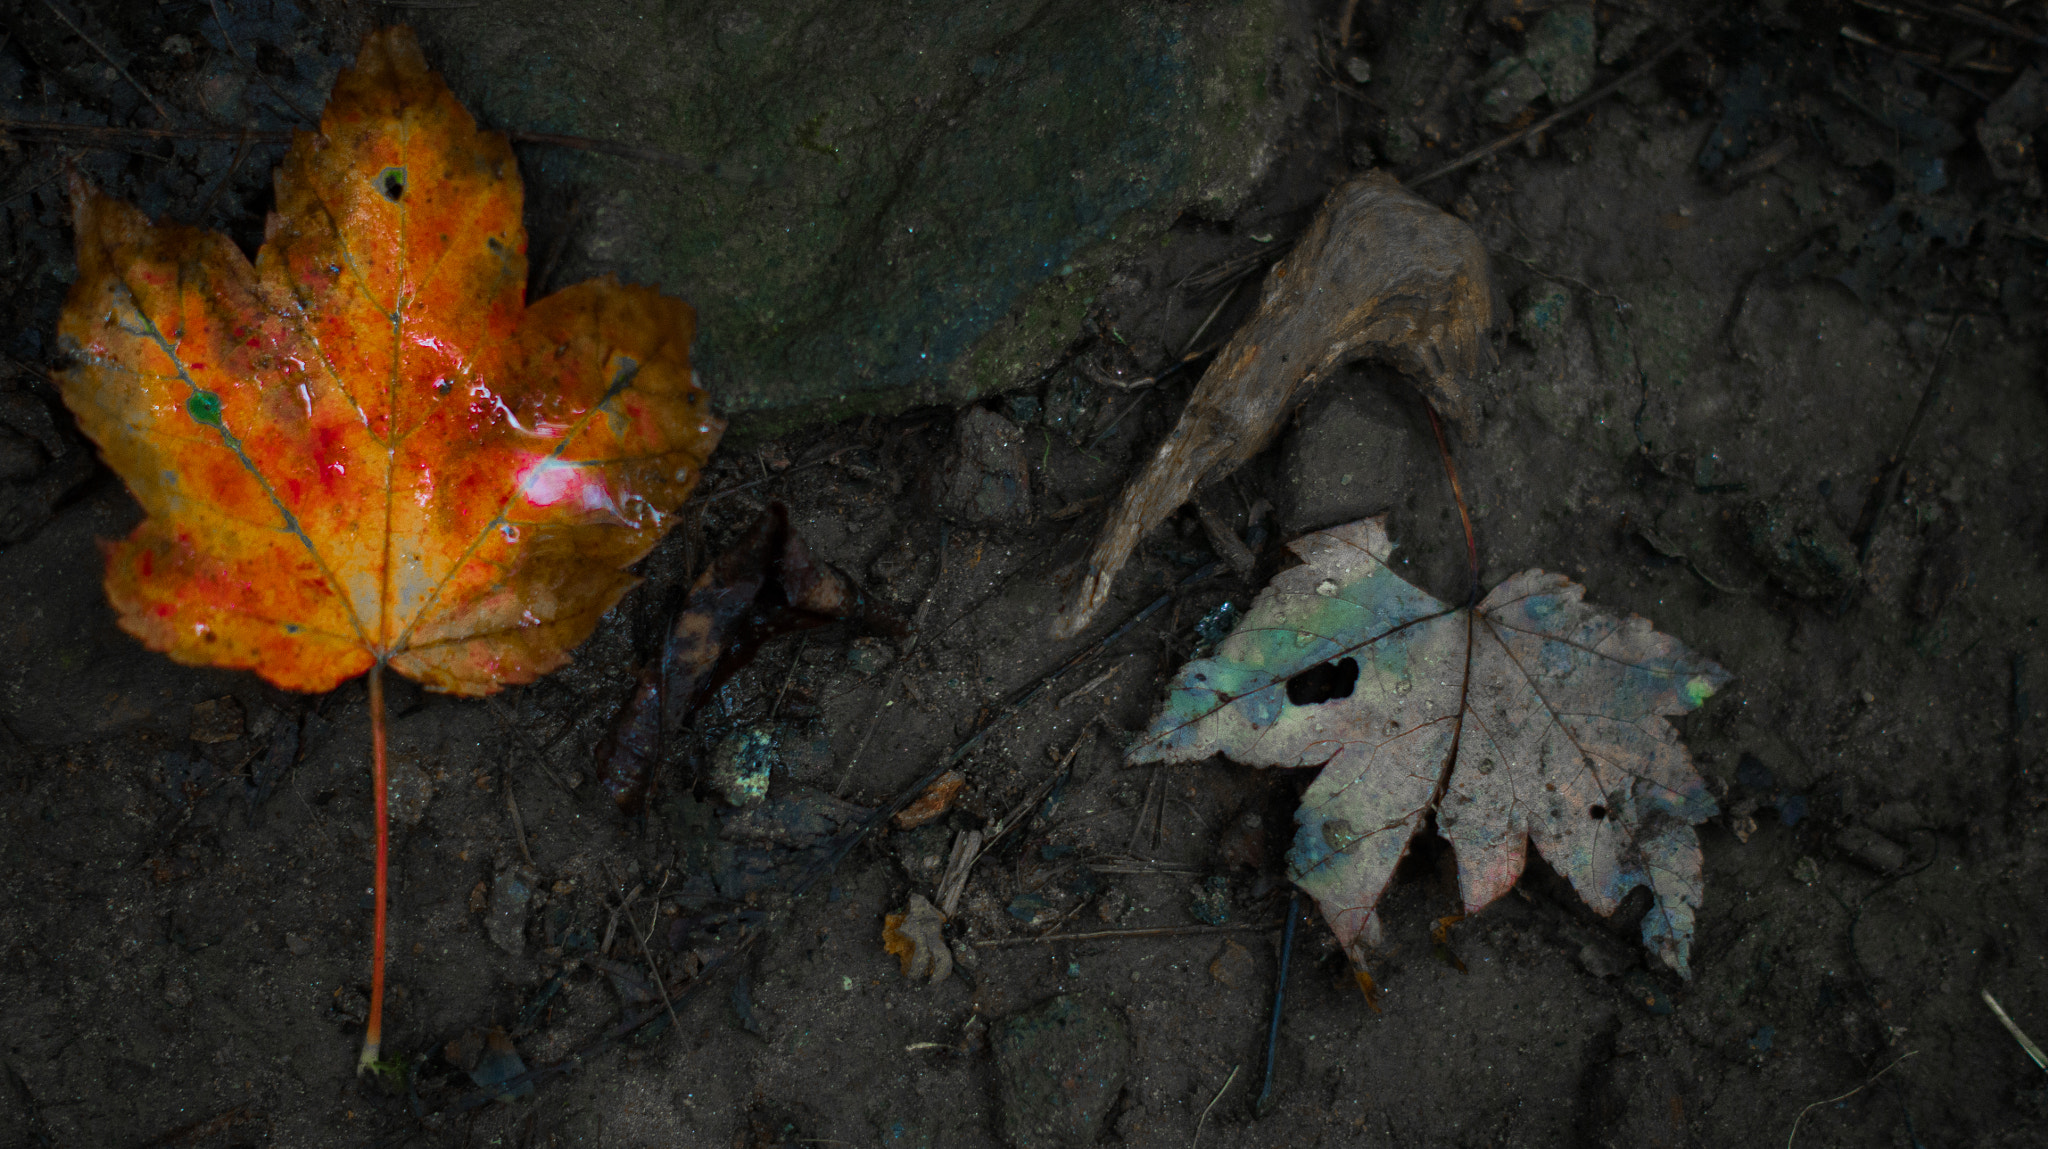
<point>1541,313</point>
<point>741,766</point>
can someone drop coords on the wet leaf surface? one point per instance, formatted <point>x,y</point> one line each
<point>1531,717</point>
<point>365,448</point>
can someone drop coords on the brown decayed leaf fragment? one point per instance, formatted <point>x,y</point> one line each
<point>766,584</point>
<point>1531,717</point>
<point>1380,272</point>
<point>917,939</point>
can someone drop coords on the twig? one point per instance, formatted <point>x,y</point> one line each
<point>1344,24</point>
<point>1225,542</point>
<point>60,128</point>
<point>1213,313</point>
<point>1089,685</point>
<point>1136,402</point>
<point>221,185</point>
<point>902,664</point>
<point>1963,15</point>
<point>748,486</point>
<point>1128,866</point>
<point>58,11</point>
<point>795,661</point>
<point>660,982</point>
<point>604,147</point>
<point>1021,811</point>
<point>611,927</point>
<point>538,755</point>
<point>1544,124</point>
<point>1843,1097</point>
<point>1144,810</point>
<point>1913,60</point>
<point>1279,1000</point>
<point>2012,1027</point>
<point>31,189</point>
<point>1894,467</point>
<point>1120,935</point>
<point>966,849</point>
<point>518,823</point>
<point>1204,1120</point>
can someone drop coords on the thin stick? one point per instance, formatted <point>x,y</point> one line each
<point>605,147</point>
<point>1120,935</point>
<point>660,983</point>
<point>59,127</point>
<point>1544,124</point>
<point>1021,812</point>
<point>1197,1142</point>
<point>221,185</point>
<point>1279,1000</point>
<point>2012,1027</point>
<point>1213,313</point>
<point>518,823</point>
<point>1144,809</point>
<point>373,1034</point>
<point>795,660</point>
<point>1843,1097</point>
<point>1344,24</point>
<point>1089,685</point>
<point>1895,467</point>
<point>1963,15</point>
<point>115,64</point>
<point>533,751</point>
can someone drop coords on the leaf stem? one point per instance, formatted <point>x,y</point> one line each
<point>373,1034</point>
<point>1443,449</point>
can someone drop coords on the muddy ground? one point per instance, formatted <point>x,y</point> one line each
<point>1696,423</point>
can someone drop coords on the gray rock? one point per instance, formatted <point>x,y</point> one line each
<point>1801,547</point>
<point>1561,50</point>
<point>505,922</point>
<point>1870,848</point>
<point>1541,312</point>
<point>1059,1067</point>
<point>1507,88</point>
<point>985,477</point>
<point>741,765</point>
<point>872,210</point>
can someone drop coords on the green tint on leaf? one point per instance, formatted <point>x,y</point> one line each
<point>205,407</point>
<point>1532,717</point>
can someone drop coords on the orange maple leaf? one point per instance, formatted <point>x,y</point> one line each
<point>365,449</point>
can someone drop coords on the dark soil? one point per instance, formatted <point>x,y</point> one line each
<point>1702,431</point>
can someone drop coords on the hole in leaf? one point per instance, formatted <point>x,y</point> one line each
<point>1596,812</point>
<point>391,184</point>
<point>1323,683</point>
